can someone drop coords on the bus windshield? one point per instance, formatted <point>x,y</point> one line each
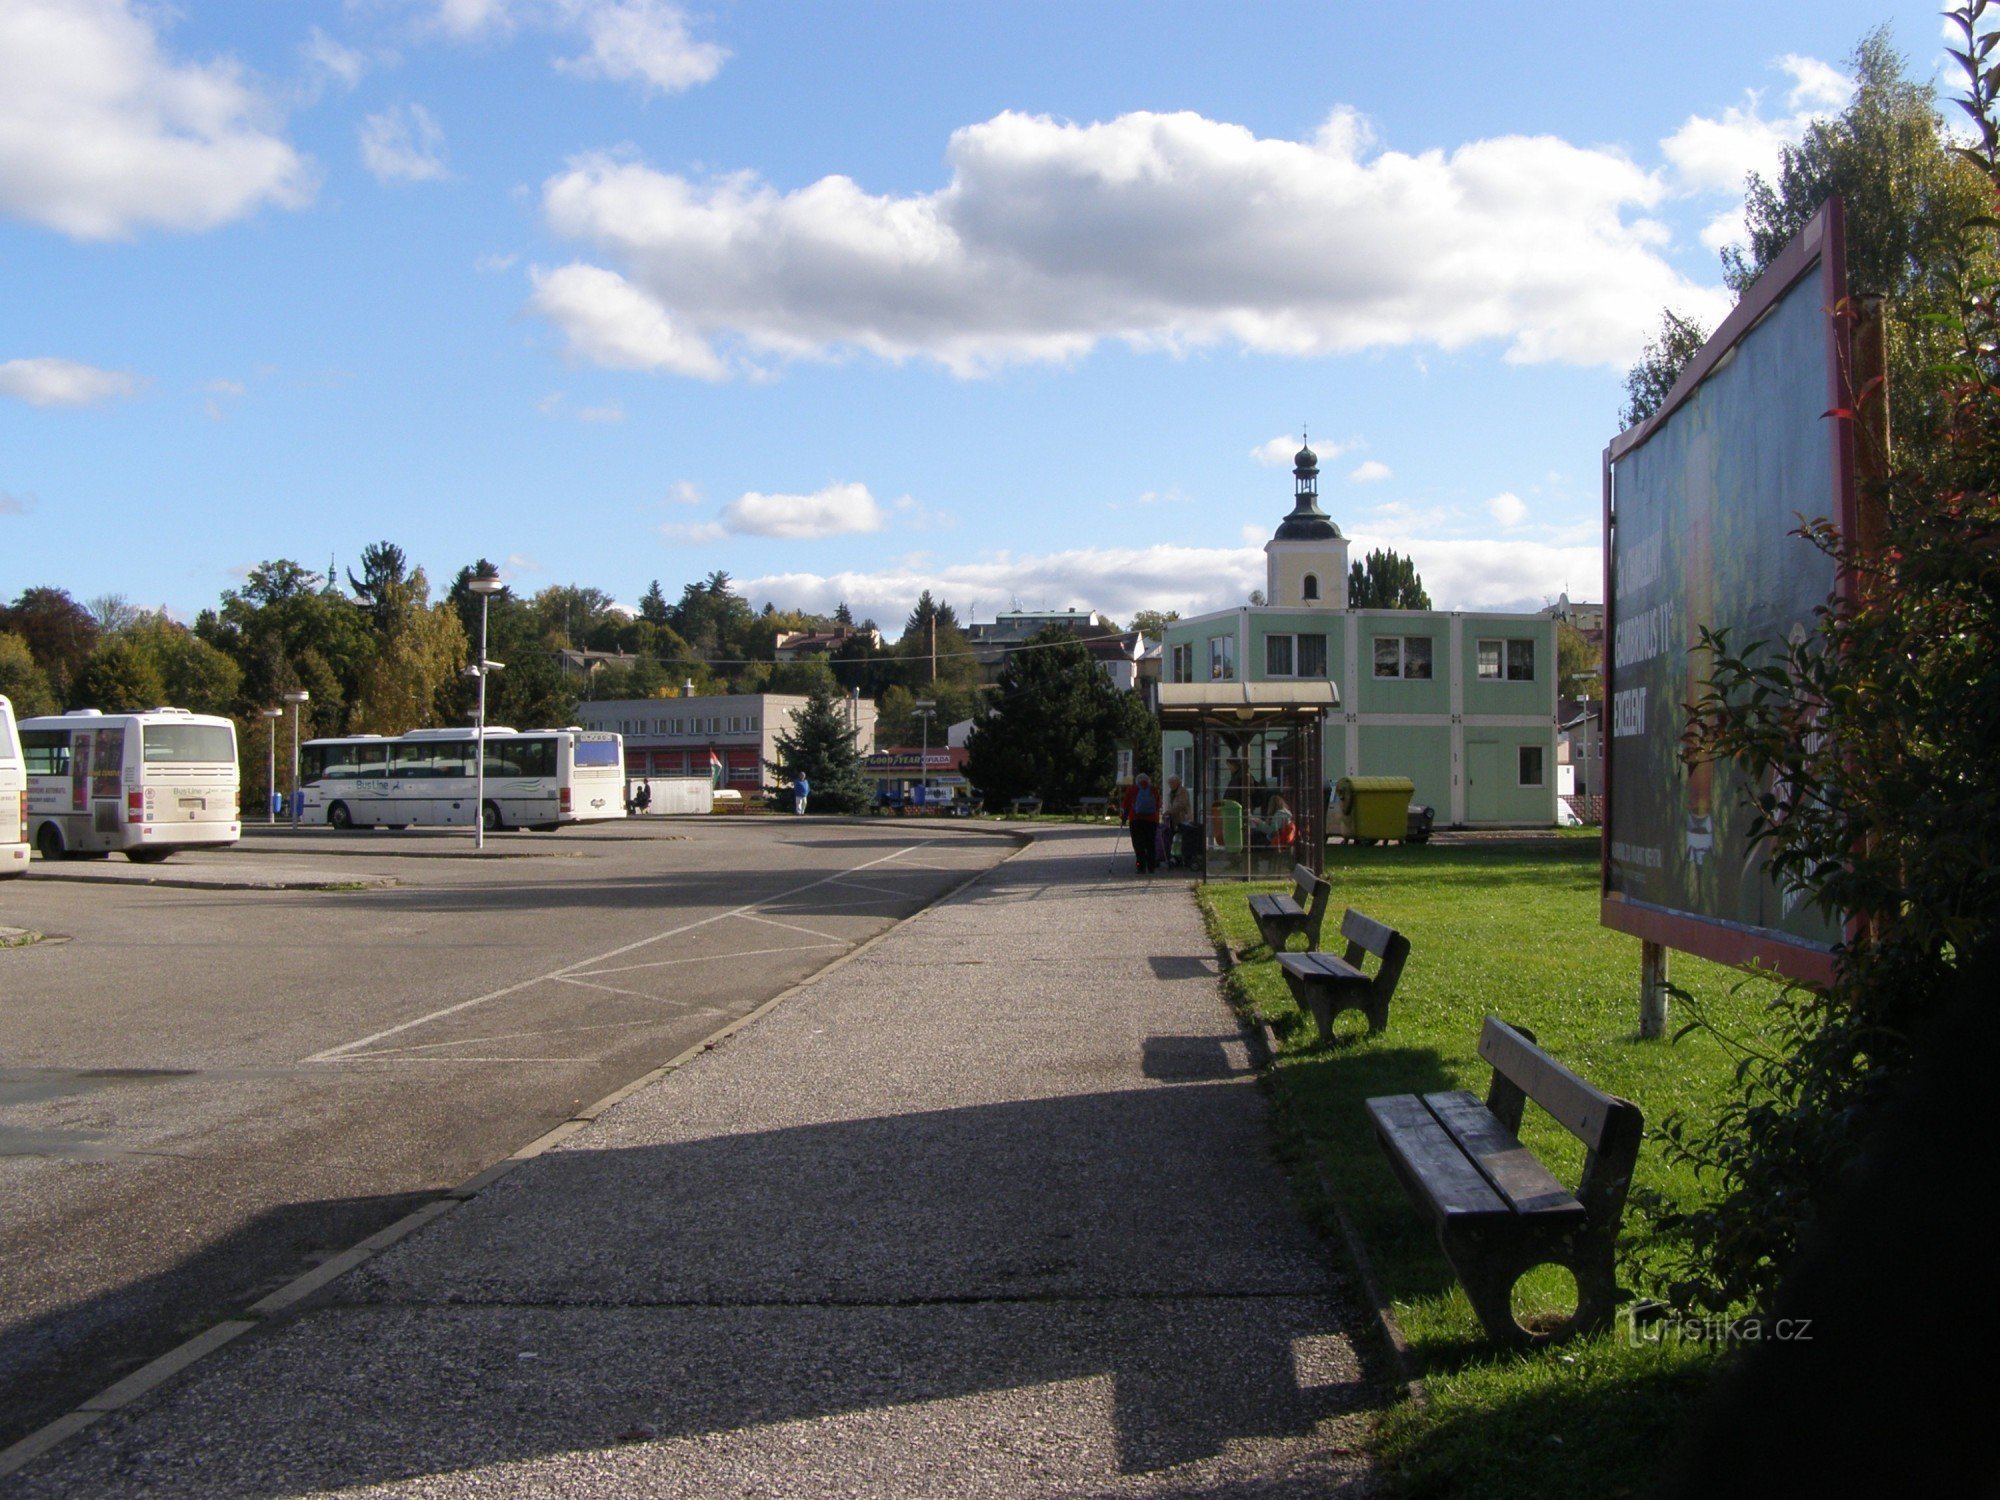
<point>189,744</point>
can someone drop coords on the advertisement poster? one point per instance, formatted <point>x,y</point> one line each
<point>1705,508</point>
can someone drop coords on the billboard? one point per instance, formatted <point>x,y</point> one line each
<point>1701,502</point>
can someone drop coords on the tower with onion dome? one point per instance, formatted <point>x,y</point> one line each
<point>1305,562</point>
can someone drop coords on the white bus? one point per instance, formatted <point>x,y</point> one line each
<point>13,797</point>
<point>146,783</point>
<point>535,778</point>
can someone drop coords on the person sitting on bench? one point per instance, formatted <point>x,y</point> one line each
<point>1277,828</point>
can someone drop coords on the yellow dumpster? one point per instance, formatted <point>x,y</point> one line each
<point>1374,807</point>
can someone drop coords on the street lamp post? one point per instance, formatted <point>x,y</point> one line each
<point>485,586</point>
<point>924,707</point>
<point>271,717</point>
<point>297,698</point>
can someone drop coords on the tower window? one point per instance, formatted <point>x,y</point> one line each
<point>1311,588</point>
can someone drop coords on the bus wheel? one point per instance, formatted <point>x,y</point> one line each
<point>147,856</point>
<point>340,817</point>
<point>49,839</point>
<point>489,817</point>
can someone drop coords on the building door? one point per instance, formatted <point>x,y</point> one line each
<point>1482,781</point>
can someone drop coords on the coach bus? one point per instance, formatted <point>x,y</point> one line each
<point>535,778</point>
<point>13,797</point>
<point>144,784</point>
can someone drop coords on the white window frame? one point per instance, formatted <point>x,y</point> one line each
<point>1504,651</point>
<point>1402,672</point>
<point>1291,668</point>
<point>1222,658</point>
<point>1297,654</point>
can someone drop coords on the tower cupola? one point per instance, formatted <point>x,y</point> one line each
<point>1306,558</point>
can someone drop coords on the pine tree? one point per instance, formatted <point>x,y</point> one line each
<point>820,743</point>
<point>1055,728</point>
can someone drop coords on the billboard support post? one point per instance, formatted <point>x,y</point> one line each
<point>1652,991</point>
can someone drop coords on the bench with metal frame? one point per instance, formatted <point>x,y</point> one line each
<point>1323,986</point>
<point>1499,1211</point>
<point>1278,917</point>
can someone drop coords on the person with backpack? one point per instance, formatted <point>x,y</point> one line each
<point>1140,812</point>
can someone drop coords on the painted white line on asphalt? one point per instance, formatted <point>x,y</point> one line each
<point>824,937</point>
<point>710,958</point>
<point>334,1054</point>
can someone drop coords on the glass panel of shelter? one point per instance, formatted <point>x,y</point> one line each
<point>1258,800</point>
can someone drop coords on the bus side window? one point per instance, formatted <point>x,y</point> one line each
<point>46,751</point>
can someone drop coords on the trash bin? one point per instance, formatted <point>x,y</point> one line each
<point>1374,807</point>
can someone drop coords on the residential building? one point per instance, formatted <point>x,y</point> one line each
<point>1118,652</point>
<point>1461,702</point>
<point>795,645</point>
<point>691,736</point>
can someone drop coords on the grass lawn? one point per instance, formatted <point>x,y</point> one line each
<point>1510,930</point>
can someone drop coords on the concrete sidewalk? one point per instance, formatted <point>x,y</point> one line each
<point>988,1210</point>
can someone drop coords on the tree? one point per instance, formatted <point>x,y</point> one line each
<point>1870,746</point>
<point>1579,665</point>
<point>22,680</point>
<point>1153,623</point>
<point>1647,382</point>
<point>411,680</point>
<point>194,674</point>
<point>60,633</point>
<point>653,606</point>
<point>820,743</point>
<point>1910,201</point>
<point>1387,580</point>
<point>384,570</point>
<point>118,679</point>
<point>1053,728</point>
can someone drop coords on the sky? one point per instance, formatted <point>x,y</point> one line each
<point>1025,304</point>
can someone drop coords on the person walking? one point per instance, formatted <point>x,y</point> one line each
<point>1180,818</point>
<point>801,789</point>
<point>1140,812</point>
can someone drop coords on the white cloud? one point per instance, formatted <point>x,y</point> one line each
<point>627,41</point>
<point>1466,573</point>
<point>1281,450</point>
<point>684,492</point>
<point>1494,573</point>
<point>403,144</point>
<point>691,533</point>
<point>1369,472</point>
<point>102,134</point>
<point>608,321</point>
<point>1163,231</point>
<point>330,59</point>
<point>837,510</point>
<point>640,41</point>
<point>495,262</point>
<point>1713,154</point>
<point>1815,84</point>
<point>610,412</point>
<point>1508,508</point>
<point>63,382</point>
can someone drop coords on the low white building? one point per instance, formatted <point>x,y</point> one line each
<point>737,733</point>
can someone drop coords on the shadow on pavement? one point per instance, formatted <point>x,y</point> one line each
<point>1117,1273</point>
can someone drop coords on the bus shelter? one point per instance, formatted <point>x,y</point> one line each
<point>1255,772</point>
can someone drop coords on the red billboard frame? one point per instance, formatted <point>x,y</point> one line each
<point>1821,246</point>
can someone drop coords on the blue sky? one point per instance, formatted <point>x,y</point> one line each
<point>1016,303</point>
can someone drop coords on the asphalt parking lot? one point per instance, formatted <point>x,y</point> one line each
<point>217,1072</point>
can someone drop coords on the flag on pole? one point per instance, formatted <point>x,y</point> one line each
<point>714,769</point>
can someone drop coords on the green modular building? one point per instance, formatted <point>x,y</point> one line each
<point>1462,703</point>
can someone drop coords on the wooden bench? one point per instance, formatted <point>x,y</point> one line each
<point>1499,1211</point>
<point>1278,917</point>
<point>1094,807</point>
<point>1324,986</point>
<point>1026,805</point>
